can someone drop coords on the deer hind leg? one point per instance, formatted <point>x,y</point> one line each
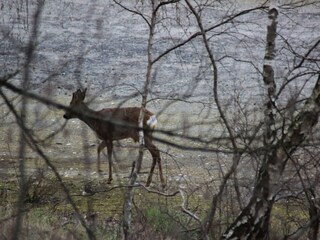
<point>109,145</point>
<point>101,146</point>
<point>135,138</point>
<point>155,153</point>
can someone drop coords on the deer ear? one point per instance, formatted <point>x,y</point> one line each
<point>77,93</point>
<point>83,94</point>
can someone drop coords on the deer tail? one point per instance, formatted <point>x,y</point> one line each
<point>152,121</point>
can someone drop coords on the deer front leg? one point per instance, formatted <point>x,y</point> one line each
<point>101,146</point>
<point>109,145</point>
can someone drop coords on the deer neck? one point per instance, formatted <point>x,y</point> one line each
<point>88,116</point>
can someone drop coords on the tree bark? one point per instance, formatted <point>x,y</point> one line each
<point>253,221</point>
<point>127,208</point>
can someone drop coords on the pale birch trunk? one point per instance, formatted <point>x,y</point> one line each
<point>253,221</point>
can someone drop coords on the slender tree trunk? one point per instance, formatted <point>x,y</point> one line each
<point>255,217</point>
<point>146,85</point>
<point>253,221</point>
<point>127,208</point>
<point>129,194</point>
<point>207,223</point>
<point>314,217</point>
<point>22,141</point>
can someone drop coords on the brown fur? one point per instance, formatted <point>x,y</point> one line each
<point>115,124</point>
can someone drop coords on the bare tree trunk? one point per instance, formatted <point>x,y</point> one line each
<point>146,86</point>
<point>129,194</point>
<point>23,115</point>
<point>208,220</point>
<point>314,217</point>
<point>127,208</point>
<point>253,221</point>
<point>256,215</point>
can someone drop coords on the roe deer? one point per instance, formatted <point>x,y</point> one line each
<point>115,124</point>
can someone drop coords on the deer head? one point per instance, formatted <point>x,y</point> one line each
<point>76,103</point>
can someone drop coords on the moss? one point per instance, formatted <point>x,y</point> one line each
<point>286,218</point>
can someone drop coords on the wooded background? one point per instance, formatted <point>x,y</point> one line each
<point>235,87</point>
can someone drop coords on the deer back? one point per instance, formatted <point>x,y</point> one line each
<point>122,123</point>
